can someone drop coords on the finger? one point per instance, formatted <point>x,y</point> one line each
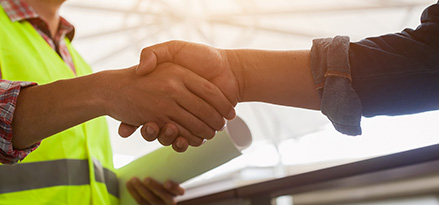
<point>203,111</point>
<point>187,120</point>
<point>150,131</point>
<point>158,190</point>
<point>179,94</point>
<point>173,188</point>
<point>180,144</point>
<point>126,130</point>
<point>192,139</point>
<point>170,132</point>
<point>133,191</point>
<point>196,105</point>
<point>148,62</point>
<point>212,95</point>
<point>145,192</point>
<point>151,56</point>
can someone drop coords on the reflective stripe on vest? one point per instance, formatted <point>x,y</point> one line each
<point>63,172</point>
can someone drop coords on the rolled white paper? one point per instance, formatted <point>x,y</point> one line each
<point>166,164</point>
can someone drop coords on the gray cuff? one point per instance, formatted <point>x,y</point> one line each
<point>332,76</point>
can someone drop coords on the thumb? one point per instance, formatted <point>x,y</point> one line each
<point>151,56</point>
<point>148,62</point>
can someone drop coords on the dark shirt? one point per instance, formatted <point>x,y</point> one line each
<point>392,74</point>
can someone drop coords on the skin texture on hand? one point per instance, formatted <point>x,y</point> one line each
<point>149,191</point>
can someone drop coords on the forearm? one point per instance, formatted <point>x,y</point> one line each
<point>279,77</point>
<point>171,94</point>
<point>44,110</point>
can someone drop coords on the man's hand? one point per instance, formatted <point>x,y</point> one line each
<point>279,77</point>
<point>208,62</point>
<point>170,94</point>
<point>152,192</point>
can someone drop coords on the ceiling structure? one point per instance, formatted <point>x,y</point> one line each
<point>279,24</point>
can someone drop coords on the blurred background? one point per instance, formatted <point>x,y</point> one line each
<point>110,34</point>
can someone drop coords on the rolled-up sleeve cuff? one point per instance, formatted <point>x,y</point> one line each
<point>9,91</point>
<point>332,77</point>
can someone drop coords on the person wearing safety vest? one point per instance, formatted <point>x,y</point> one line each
<point>52,126</point>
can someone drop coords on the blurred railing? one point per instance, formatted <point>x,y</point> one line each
<point>401,166</point>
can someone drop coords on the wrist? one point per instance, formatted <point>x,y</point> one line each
<point>103,92</point>
<point>112,86</point>
<point>238,70</point>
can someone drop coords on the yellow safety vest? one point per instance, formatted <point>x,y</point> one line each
<point>72,167</point>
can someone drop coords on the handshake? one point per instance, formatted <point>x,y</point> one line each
<point>180,93</point>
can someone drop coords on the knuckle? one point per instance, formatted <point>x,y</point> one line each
<point>170,85</point>
<point>176,70</point>
<point>145,51</point>
<point>175,42</point>
<point>209,88</point>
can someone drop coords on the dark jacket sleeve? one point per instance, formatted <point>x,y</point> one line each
<point>392,74</point>
<point>398,73</point>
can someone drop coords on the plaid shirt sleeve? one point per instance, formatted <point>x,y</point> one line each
<point>9,91</point>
